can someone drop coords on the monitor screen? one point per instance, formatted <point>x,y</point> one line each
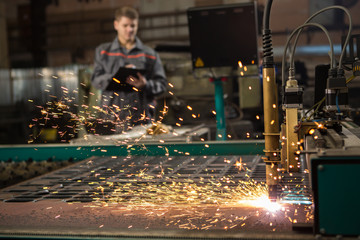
<point>223,35</point>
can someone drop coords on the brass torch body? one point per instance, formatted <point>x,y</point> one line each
<point>271,127</point>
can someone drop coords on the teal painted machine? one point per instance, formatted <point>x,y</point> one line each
<point>59,152</point>
<point>335,164</point>
<point>336,194</point>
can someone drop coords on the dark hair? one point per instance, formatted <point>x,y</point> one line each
<point>126,11</point>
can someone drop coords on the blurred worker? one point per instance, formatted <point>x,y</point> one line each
<point>126,108</point>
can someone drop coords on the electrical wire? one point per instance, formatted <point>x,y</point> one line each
<point>291,36</point>
<point>350,79</point>
<point>333,64</point>
<point>317,105</point>
<point>337,101</point>
<point>266,18</point>
<point>268,58</point>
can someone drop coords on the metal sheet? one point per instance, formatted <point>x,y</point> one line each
<point>133,197</point>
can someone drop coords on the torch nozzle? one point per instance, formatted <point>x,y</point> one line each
<point>273,192</point>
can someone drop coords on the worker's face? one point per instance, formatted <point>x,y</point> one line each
<point>126,28</point>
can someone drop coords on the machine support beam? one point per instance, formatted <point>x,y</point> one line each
<point>60,152</point>
<point>220,110</point>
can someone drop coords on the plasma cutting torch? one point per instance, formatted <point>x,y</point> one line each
<point>335,109</point>
<point>271,116</point>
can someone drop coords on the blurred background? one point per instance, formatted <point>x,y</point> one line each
<point>47,49</point>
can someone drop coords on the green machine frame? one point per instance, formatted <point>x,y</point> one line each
<point>336,187</point>
<point>60,152</point>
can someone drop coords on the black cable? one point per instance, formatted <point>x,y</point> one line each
<point>266,18</point>
<point>268,59</point>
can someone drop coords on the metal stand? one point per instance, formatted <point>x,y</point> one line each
<point>220,109</point>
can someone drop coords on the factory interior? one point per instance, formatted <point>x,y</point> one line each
<point>255,137</point>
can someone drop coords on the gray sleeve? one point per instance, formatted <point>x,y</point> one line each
<point>100,79</point>
<point>157,82</point>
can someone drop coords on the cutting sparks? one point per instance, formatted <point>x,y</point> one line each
<point>188,204</point>
<point>266,203</point>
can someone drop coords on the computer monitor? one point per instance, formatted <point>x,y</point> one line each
<point>223,35</point>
